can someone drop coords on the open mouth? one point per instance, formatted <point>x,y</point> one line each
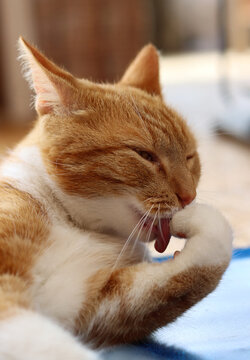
<point>158,227</point>
<point>161,231</point>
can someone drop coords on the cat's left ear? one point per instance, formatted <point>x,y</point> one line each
<point>55,88</point>
<point>143,72</point>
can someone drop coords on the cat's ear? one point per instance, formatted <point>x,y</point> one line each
<point>143,73</point>
<point>55,88</point>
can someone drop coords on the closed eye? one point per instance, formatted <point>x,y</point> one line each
<point>147,155</point>
<point>191,156</point>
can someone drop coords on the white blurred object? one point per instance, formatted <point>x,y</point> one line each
<point>235,118</point>
<point>210,93</point>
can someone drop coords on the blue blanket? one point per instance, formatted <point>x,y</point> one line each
<point>217,328</point>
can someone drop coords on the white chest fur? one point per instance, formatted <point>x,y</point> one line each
<point>61,273</point>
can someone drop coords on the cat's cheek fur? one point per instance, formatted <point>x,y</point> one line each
<point>30,336</point>
<point>110,214</point>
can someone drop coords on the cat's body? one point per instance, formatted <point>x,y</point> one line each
<point>98,159</point>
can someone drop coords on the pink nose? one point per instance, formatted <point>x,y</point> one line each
<point>186,198</point>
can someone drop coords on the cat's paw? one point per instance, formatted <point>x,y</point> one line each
<point>209,234</point>
<point>30,336</point>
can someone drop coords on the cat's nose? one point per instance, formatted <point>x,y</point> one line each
<point>186,198</point>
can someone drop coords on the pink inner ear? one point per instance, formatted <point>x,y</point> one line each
<point>39,82</point>
<point>52,85</point>
<point>47,96</point>
<point>39,89</point>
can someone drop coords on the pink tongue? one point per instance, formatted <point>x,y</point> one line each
<point>163,235</point>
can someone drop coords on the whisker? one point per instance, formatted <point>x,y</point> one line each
<point>148,199</point>
<point>129,239</point>
<point>66,165</point>
<point>139,232</point>
<point>141,219</point>
<point>134,106</point>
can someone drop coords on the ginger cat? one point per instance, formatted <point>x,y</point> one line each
<point>105,169</point>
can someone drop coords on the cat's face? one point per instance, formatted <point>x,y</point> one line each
<point>118,148</point>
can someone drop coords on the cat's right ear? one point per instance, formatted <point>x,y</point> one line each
<point>55,88</point>
<point>143,72</point>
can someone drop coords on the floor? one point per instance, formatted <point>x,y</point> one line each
<point>226,183</point>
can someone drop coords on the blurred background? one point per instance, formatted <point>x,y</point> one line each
<point>205,73</point>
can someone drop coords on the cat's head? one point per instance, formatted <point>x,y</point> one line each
<point>116,151</point>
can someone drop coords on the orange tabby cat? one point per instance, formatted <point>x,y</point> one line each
<point>103,164</point>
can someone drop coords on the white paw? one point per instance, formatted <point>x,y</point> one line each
<point>29,336</point>
<point>208,233</point>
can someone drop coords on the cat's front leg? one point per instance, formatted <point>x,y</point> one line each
<point>136,300</point>
<point>208,233</point>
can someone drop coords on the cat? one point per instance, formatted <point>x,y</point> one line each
<point>105,169</point>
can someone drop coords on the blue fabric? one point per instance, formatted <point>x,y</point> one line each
<point>237,254</point>
<point>217,328</point>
